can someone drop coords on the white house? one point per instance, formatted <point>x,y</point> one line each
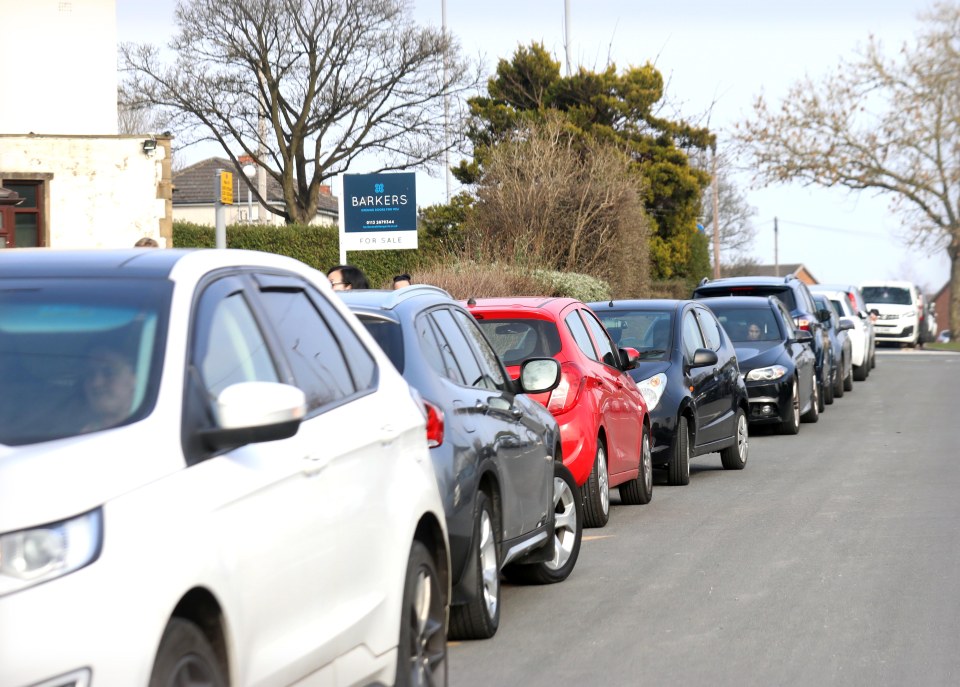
<point>78,184</point>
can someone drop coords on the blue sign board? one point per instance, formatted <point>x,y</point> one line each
<point>379,202</point>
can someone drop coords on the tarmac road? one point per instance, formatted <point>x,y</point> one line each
<point>832,559</point>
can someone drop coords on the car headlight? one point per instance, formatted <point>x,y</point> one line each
<point>32,556</point>
<point>766,374</point>
<point>652,389</point>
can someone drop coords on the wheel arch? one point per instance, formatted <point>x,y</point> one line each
<point>201,607</point>
<point>429,532</point>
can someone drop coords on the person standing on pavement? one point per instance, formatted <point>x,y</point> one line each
<point>347,277</point>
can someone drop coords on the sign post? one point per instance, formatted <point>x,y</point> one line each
<point>378,212</point>
<point>223,189</point>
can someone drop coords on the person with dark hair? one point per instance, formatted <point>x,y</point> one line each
<point>146,242</point>
<point>347,277</point>
<point>401,280</point>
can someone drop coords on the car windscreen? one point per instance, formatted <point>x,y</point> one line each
<point>784,293</point>
<point>886,294</point>
<point>748,324</point>
<point>78,356</point>
<point>650,332</point>
<point>516,339</point>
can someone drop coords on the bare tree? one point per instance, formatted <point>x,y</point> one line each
<point>304,87</point>
<point>881,124</point>
<point>547,200</point>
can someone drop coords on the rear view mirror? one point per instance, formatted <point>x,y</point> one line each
<point>629,357</point>
<point>538,375</point>
<point>845,324</point>
<point>703,357</point>
<point>823,315</point>
<point>803,336</point>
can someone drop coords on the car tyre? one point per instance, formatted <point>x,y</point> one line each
<point>813,415</point>
<point>422,652</point>
<point>734,457</point>
<point>639,490</point>
<point>678,472</point>
<point>838,385</point>
<point>567,535</point>
<point>792,424</point>
<point>480,618</point>
<point>596,491</point>
<point>185,656</point>
<point>848,380</point>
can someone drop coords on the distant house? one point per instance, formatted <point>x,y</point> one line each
<point>195,191</point>
<point>797,270</point>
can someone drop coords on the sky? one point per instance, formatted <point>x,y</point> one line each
<point>716,58</point>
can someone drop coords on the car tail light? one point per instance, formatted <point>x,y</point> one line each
<point>853,302</point>
<point>434,425</point>
<point>568,391</point>
<point>803,323</point>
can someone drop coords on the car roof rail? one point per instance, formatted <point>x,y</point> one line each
<point>412,291</point>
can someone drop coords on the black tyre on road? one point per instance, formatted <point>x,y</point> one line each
<point>640,489</point>
<point>185,657</point>
<point>480,618</point>
<point>596,490</point>
<point>678,472</point>
<point>735,457</point>
<point>791,425</point>
<point>422,652</point>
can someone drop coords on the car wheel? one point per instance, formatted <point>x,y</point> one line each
<point>596,492</point>
<point>640,489</point>
<point>873,360</point>
<point>480,618</point>
<point>422,653</point>
<point>185,657</point>
<point>813,414</point>
<point>567,535</point>
<point>860,371</point>
<point>828,388</point>
<point>735,457</point>
<point>848,380</point>
<point>838,384</point>
<point>679,471</point>
<point>821,385</point>
<point>791,425</point>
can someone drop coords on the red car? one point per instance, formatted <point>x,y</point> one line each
<point>604,429</point>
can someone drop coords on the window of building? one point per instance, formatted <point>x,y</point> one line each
<point>28,217</point>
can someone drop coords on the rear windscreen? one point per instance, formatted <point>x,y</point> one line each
<point>784,293</point>
<point>515,340</point>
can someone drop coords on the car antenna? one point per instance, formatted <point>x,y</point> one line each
<point>471,301</point>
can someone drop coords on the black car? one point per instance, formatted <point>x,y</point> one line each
<point>775,358</point>
<point>687,372</point>
<point>799,301</point>
<point>840,346</point>
<point>510,503</point>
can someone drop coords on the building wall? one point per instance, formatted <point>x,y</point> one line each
<point>59,67</point>
<point>941,306</point>
<point>101,191</point>
<point>235,214</point>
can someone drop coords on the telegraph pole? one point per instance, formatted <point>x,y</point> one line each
<point>446,106</point>
<point>716,219</point>
<point>566,35</point>
<point>776,257</point>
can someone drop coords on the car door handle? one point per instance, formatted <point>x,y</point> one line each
<point>388,433</point>
<point>314,464</point>
<point>482,407</point>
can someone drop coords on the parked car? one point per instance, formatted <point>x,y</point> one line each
<point>604,428</point>
<point>899,307</point>
<point>776,361</point>
<point>944,336</point>
<point>839,331</point>
<point>799,301</point>
<point>928,322</point>
<point>510,503</point>
<point>688,375</point>
<point>210,474</point>
<point>862,336</point>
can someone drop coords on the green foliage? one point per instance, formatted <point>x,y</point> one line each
<point>618,108</point>
<point>580,286</point>
<point>443,225</point>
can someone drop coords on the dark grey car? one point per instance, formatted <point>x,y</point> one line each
<point>511,505</point>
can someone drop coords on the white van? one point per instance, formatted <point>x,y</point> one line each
<point>899,305</point>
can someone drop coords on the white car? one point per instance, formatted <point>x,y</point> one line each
<point>209,474</point>
<point>853,308</point>
<point>900,307</point>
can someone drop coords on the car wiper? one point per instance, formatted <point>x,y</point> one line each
<point>651,353</point>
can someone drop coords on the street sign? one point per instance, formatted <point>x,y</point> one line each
<point>226,188</point>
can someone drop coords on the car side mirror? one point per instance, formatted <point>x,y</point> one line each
<point>703,357</point>
<point>629,357</point>
<point>845,324</point>
<point>803,336</point>
<point>823,315</point>
<point>538,375</point>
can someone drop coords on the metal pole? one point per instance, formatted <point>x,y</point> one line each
<point>566,35</point>
<point>220,232</point>
<point>446,106</point>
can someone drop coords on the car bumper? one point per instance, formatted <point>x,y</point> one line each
<point>579,447</point>
<point>895,333</point>
<point>770,401</point>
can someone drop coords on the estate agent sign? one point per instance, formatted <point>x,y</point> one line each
<point>379,212</point>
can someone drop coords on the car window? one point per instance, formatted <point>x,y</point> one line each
<point>783,292</point>
<point>487,356</point>
<point>692,339</point>
<point>892,295</point>
<point>711,329</point>
<point>580,336</point>
<point>648,331</point>
<point>608,352</point>
<point>807,297</point>
<point>234,349</point>
<point>839,308</point>
<point>459,347</point>
<point>319,363</point>
<point>748,324</point>
<point>435,349</point>
<point>515,340</point>
<point>789,326</point>
<point>363,366</point>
